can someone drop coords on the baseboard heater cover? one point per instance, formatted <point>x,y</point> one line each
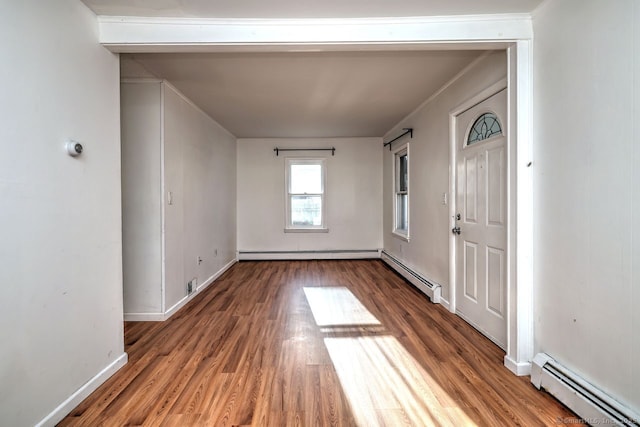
<point>432,290</point>
<point>310,254</point>
<point>593,405</point>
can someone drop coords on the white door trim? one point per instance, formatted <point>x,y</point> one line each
<point>519,200</point>
<point>520,268</point>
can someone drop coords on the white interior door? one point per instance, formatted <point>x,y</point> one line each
<point>481,213</point>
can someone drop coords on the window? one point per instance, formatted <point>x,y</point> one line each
<point>305,195</point>
<point>401,184</point>
<point>483,128</point>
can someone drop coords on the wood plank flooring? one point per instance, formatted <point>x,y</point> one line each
<point>316,343</point>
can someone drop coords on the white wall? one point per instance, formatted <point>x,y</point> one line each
<point>60,227</point>
<point>200,171</point>
<point>587,190</point>
<point>171,146</point>
<point>353,195</point>
<point>141,197</point>
<point>428,249</point>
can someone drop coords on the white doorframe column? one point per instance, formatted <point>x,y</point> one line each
<point>520,330</point>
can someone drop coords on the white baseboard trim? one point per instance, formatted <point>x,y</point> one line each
<point>213,278</point>
<point>89,387</point>
<point>304,255</point>
<point>446,304</point>
<point>177,306</point>
<point>518,368</point>
<point>143,317</point>
<point>161,317</point>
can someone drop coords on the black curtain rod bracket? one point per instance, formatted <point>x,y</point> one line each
<point>332,149</point>
<point>406,131</point>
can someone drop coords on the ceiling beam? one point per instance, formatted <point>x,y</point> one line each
<point>134,34</point>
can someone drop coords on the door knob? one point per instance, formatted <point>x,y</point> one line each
<point>455,230</point>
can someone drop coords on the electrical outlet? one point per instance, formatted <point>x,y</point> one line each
<point>198,260</point>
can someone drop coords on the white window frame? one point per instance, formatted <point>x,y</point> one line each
<point>289,227</point>
<point>400,151</point>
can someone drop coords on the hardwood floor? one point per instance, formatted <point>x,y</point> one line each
<point>313,343</point>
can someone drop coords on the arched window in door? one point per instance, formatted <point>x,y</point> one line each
<point>485,126</point>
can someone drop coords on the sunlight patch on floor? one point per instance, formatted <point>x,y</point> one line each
<point>386,386</point>
<point>381,380</point>
<point>335,306</point>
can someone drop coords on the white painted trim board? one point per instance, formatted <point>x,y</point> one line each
<point>83,392</point>
<point>132,34</point>
<point>177,306</point>
<point>161,317</point>
<point>295,255</point>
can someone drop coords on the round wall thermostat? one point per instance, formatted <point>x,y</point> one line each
<point>74,148</point>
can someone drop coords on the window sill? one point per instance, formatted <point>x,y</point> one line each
<point>306,230</point>
<point>401,236</point>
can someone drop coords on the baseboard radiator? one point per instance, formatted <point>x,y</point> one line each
<point>432,290</point>
<point>590,403</point>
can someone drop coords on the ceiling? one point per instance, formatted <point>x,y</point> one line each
<point>305,94</point>
<point>288,9</point>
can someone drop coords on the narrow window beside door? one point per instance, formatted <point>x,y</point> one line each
<point>305,195</point>
<point>401,217</point>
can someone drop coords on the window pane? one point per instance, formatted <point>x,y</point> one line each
<point>484,127</point>
<point>402,212</point>
<point>306,179</point>
<point>306,210</point>
<point>402,172</point>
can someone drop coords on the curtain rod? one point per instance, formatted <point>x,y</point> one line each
<point>407,131</point>
<point>332,149</point>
